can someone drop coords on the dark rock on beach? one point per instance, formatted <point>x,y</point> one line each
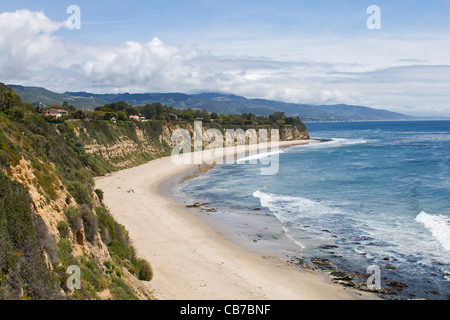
<point>342,278</point>
<point>196,205</point>
<point>302,263</point>
<point>339,275</point>
<point>328,246</point>
<point>322,263</point>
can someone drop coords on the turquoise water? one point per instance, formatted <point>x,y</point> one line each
<point>379,192</point>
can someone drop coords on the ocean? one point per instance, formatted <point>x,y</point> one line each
<point>376,193</point>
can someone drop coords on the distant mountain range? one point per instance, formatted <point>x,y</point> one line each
<point>213,102</point>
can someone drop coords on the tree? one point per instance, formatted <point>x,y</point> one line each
<point>72,108</point>
<point>149,111</point>
<point>204,115</point>
<point>225,119</point>
<point>110,115</point>
<point>79,114</point>
<point>159,110</point>
<point>187,115</point>
<point>121,116</point>
<point>251,116</point>
<point>277,116</point>
<point>9,96</point>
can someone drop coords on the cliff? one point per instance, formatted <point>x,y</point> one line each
<point>114,146</point>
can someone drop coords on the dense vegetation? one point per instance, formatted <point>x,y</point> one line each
<point>23,272</point>
<point>157,111</point>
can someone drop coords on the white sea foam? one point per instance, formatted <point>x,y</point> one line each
<point>293,210</point>
<point>438,225</point>
<point>334,143</point>
<point>287,206</point>
<point>258,156</point>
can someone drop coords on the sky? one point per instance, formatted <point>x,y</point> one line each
<point>318,52</point>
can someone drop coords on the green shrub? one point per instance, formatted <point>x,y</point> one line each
<point>80,192</point>
<point>47,182</point>
<point>62,127</point>
<point>90,223</point>
<point>92,274</point>
<point>145,271</point>
<point>100,194</point>
<point>63,229</point>
<point>74,218</point>
<point>4,158</point>
<point>80,218</point>
<point>65,253</point>
<point>120,290</point>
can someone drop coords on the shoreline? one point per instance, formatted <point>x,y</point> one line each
<point>270,239</point>
<point>191,260</point>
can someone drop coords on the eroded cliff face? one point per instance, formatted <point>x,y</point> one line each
<point>294,133</point>
<point>51,211</point>
<point>126,151</point>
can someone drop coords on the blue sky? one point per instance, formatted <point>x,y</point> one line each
<point>115,21</point>
<point>297,51</point>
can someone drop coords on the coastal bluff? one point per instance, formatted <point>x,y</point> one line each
<point>118,146</point>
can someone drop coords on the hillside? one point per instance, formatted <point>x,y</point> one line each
<point>36,95</point>
<point>51,217</point>
<point>212,102</point>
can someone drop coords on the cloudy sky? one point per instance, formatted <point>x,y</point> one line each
<point>319,52</point>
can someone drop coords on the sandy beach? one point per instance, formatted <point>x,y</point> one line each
<point>190,260</point>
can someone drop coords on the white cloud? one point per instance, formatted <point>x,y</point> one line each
<point>27,44</point>
<point>31,54</point>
